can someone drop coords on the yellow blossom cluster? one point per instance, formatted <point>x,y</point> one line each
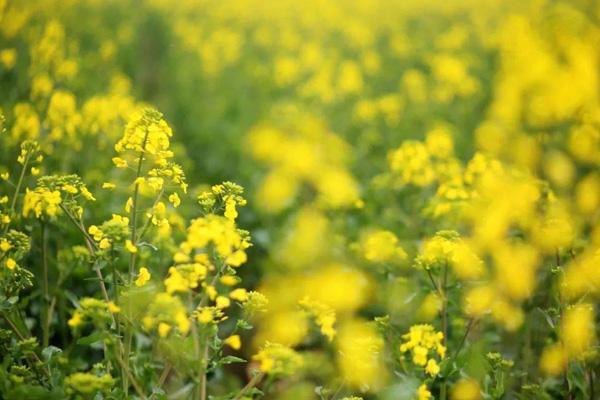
<point>324,315</point>
<point>93,311</point>
<point>42,201</point>
<point>300,149</point>
<point>381,246</point>
<point>111,232</point>
<point>425,345</point>
<point>230,243</point>
<point>165,312</point>
<point>276,359</point>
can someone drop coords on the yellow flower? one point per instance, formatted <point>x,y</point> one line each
<point>130,247</point>
<point>423,393</point>
<point>41,201</point>
<point>432,367</point>
<point>143,277</point>
<point>382,246</point>
<point>75,320</point>
<point>163,329</point>
<point>276,359</point>
<point>104,244</point>
<point>230,211</point>
<point>4,245</point>
<point>175,200</point>
<point>11,264</point>
<point>239,294</point>
<point>424,341</point>
<point>108,185</point>
<point>577,330</point>
<point>113,308</point>
<point>466,389</point>
<point>8,58</point>
<point>222,302</point>
<point>325,316</point>
<point>227,280</point>
<point>70,189</point>
<point>205,316</point>
<point>119,162</point>
<point>128,204</point>
<point>234,342</point>
<point>553,360</point>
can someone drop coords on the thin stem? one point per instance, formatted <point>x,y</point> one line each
<point>91,246</point>
<point>132,256</point>
<point>433,283</point>
<point>148,220</point>
<point>253,382</point>
<point>134,382</point>
<point>13,326</point>
<point>470,324</point>
<point>445,304</point>
<point>133,215</point>
<point>45,295</point>
<point>592,388</point>
<point>90,243</point>
<point>196,342</point>
<point>444,312</point>
<point>204,366</point>
<point>13,203</point>
<point>164,375</point>
<point>204,362</point>
<point>337,391</point>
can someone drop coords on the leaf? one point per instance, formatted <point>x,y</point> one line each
<point>547,317</point>
<point>50,351</point>
<point>93,338</point>
<point>231,360</point>
<point>243,324</point>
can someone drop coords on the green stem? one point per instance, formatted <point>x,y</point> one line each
<point>464,338</point>
<point>91,245</point>
<point>445,304</point>
<point>204,351</point>
<point>203,371</point>
<point>13,203</point>
<point>253,382</point>
<point>137,387</point>
<point>147,223</point>
<point>443,293</point>
<point>45,294</point>
<point>133,215</point>
<point>164,375</point>
<point>196,342</point>
<point>591,382</point>
<point>13,326</point>
<point>132,256</point>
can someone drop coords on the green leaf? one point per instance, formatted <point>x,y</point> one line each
<point>50,351</point>
<point>93,338</point>
<point>243,324</point>
<point>231,360</point>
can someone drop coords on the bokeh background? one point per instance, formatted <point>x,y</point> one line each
<point>343,119</point>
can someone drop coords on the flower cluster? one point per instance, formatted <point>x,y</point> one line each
<point>275,359</point>
<point>426,347</point>
<point>115,231</point>
<point>165,312</point>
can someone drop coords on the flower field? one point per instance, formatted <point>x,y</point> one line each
<point>299,200</point>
